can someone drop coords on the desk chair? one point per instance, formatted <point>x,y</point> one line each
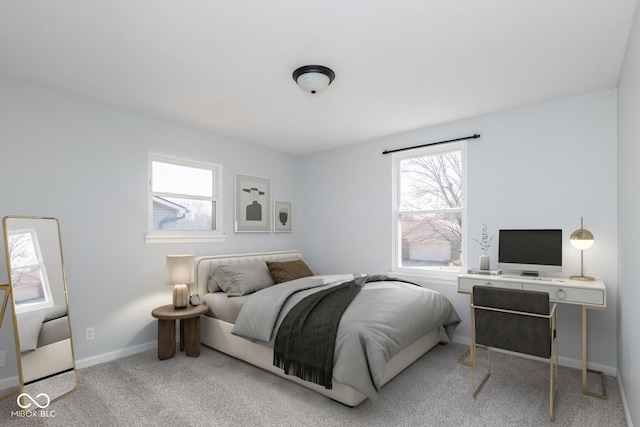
<point>515,320</point>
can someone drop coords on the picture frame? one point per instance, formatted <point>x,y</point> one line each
<point>282,216</point>
<point>252,199</point>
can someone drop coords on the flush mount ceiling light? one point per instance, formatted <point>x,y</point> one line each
<point>313,78</point>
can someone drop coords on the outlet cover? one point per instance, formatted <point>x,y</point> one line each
<point>89,334</point>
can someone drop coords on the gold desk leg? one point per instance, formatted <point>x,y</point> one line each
<point>463,359</point>
<point>585,370</point>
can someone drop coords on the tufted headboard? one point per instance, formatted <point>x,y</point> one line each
<point>206,264</point>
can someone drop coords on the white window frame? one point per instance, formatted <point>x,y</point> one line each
<point>185,236</point>
<point>445,277</point>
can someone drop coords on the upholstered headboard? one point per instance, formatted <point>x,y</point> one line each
<point>206,264</point>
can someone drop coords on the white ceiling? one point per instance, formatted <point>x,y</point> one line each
<point>226,66</point>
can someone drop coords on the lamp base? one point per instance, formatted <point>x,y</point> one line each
<point>583,278</point>
<point>180,296</point>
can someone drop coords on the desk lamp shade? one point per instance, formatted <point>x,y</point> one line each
<point>581,239</point>
<point>180,270</point>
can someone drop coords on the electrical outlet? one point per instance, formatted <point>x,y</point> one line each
<point>89,334</point>
<point>2,359</point>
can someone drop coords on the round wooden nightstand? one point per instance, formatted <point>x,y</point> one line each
<point>189,329</point>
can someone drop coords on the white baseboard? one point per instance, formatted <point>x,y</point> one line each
<point>562,361</point>
<point>625,404</point>
<point>13,382</point>
<point>9,383</point>
<point>113,355</point>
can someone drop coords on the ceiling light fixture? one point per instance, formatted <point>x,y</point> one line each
<point>313,78</point>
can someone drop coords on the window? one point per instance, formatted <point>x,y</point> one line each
<point>184,202</point>
<point>429,209</point>
<point>29,279</point>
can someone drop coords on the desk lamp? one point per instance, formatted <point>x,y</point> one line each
<point>581,239</point>
<point>180,273</point>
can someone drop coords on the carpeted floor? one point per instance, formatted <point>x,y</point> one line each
<point>218,390</point>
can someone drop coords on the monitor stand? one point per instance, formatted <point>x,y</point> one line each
<point>530,273</point>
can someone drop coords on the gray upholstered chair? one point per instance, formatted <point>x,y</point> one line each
<point>515,320</point>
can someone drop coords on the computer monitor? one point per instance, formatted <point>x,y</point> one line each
<point>530,250</point>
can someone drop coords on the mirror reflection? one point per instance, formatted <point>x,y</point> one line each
<point>40,307</point>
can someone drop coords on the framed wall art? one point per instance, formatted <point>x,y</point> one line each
<point>252,202</point>
<point>281,217</point>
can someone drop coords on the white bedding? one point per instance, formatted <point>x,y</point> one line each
<point>32,327</point>
<point>223,307</point>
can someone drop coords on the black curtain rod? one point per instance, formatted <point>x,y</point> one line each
<point>431,143</point>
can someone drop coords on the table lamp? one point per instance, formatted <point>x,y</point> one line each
<point>581,239</point>
<point>179,274</point>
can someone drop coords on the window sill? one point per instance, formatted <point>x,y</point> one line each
<point>181,238</point>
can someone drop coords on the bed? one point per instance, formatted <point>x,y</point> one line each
<point>225,310</point>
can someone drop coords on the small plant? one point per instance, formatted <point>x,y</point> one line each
<point>485,240</point>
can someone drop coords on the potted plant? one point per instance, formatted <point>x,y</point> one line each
<point>485,244</point>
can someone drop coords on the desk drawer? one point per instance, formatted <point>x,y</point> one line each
<point>569,295</point>
<point>467,284</point>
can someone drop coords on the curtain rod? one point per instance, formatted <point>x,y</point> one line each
<point>431,143</point>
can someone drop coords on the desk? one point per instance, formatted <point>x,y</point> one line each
<point>591,295</point>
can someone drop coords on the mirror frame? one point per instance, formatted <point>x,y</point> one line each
<point>11,294</point>
<point>5,301</point>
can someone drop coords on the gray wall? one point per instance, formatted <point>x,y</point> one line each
<point>628,230</point>
<point>86,164</point>
<point>541,166</point>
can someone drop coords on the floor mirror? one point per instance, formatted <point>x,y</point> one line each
<point>46,365</point>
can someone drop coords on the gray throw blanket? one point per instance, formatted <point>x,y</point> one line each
<point>305,341</point>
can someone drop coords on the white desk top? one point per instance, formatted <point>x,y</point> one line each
<point>560,289</point>
<point>564,281</point>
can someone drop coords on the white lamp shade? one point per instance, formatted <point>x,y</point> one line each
<point>313,82</point>
<point>180,269</point>
<point>581,239</point>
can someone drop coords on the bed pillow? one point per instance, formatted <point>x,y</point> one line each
<point>212,286</point>
<point>283,271</point>
<point>242,279</point>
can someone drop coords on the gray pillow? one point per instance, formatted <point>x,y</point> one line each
<point>212,286</point>
<point>242,279</point>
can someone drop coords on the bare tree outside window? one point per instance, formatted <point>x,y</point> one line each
<point>430,211</point>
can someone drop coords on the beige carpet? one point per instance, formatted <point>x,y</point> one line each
<point>217,390</point>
